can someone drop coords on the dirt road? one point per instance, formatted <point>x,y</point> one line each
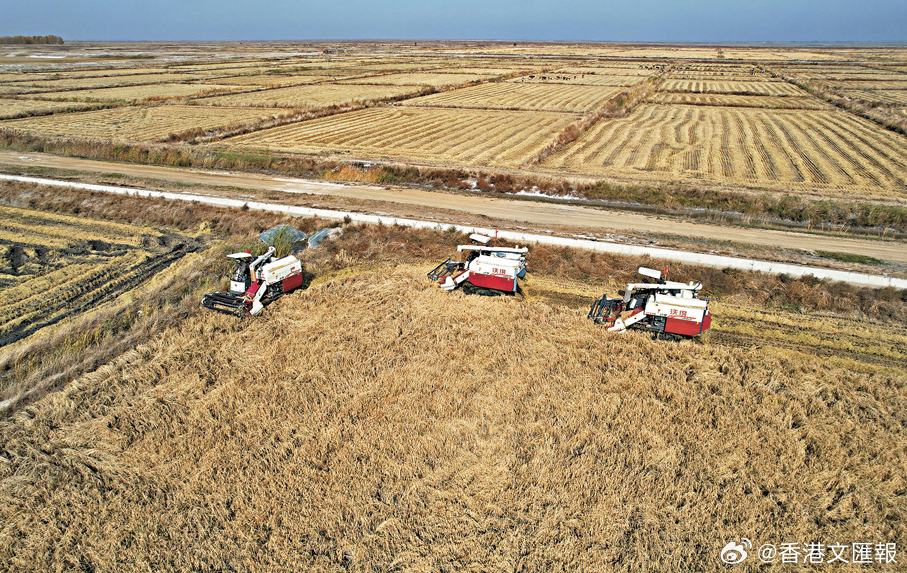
<point>534,215</point>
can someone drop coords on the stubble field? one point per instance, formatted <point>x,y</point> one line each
<point>770,148</point>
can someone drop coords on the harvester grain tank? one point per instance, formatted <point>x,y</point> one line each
<point>669,310</point>
<point>484,268</point>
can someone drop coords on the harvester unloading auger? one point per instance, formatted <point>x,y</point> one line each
<point>669,310</point>
<point>485,269</point>
<point>255,281</point>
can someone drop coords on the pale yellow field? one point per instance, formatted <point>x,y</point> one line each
<point>114,81</point>
<point>321,95</point>
<point>138,93</point>
<point>423,79</point>
<point>461,136</point>
<point>770,102</point>
<point>17,107</point>
<point>268,80</point>
<point>785,149</point>
<point>896,97</point>
<point>606,70</point>
<point>505,95</point>
<point>136,124</point>
<point>578,79</point>
<point>755,87</point>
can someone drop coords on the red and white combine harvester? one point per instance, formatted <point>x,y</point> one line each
<point>485,269</point>
<point>255,282</point>
<point>669,310</point>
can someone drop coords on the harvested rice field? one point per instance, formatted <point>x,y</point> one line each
<point>57,266</point>
<point>138,93</point>
<point>827,150</point>
<point>316,96</point>
<point>420,79</point>
<point>730,87</point>
<point>768,102</point>
<point>505,95</point>
<point>459,136</point>
<point>13,108</point>
<point>144,124</point>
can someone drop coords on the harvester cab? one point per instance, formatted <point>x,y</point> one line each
<point>483,268</point>
<point>255,281</point>
<point>669,310</point>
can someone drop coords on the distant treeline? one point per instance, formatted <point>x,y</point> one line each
<point>31,40</point>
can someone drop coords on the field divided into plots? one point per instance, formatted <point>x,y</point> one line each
<point>138,93</point>
<point>146,124</point>
<point>570,98</point>
<point>461,136</point>
<point>786,149</point>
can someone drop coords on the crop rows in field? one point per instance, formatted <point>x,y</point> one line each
<point>105,82</point>
<point>763,148</point>
<point>12,108</point>
<point>462,136</point>
<point>768,102</point>
<point>896,97</point>
<point>54,266</point>
<point>314,96</point>
<point>138,93</point>
<point>727,87</point>
<point>146,124</point>
<point>505,95</point>
<point>578,80</point>
<point>268,80</point>
<point>419,79</point>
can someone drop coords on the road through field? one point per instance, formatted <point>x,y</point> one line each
<point>535,214</point>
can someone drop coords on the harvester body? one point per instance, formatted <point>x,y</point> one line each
<point>255,281</point>
<point>483,268</point>
<point>664,308</point>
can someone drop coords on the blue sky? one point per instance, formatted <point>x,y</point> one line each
<point>590,20</point>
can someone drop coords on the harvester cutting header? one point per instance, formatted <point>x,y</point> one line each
<point>669,310</point>
<point>484,269</point>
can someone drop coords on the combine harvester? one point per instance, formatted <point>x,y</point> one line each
<point>669,310</point>
<point>254,282</point>
<point>486,269</point>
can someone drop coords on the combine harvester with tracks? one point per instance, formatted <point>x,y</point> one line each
<point>484,269</point>
<point>669,310</point>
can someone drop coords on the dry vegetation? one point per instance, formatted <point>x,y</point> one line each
<point>764,148</point>
<point>732,87</point>
<point>719,100</point>
<point>146,124</point>
<point>138,93</point>
<point>461,136</point>
<point>316,96</point>
<point>417,79</point>
<point>514,96</point>
<point>363,424</point>
<point>365,443</point>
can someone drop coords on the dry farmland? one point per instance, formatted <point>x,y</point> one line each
<point>570,98</point>
<point>462,136</point>
<point>366,442</point>
<point>769,102</point>
<point>424,79</point>
<point>137,124</point>
<point>732,87</point>
<point>138,93</point>
<point>316,96</point>
<point>13,108</point>
<point>769,148</point>
<point>55,266</point>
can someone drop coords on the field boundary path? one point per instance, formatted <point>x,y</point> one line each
<point>525,238</point>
